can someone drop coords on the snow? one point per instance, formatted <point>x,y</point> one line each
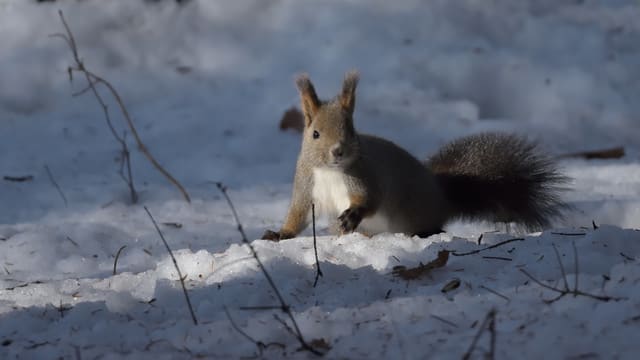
<point>206,84</point>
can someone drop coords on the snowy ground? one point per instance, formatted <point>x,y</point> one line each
<point>207,83</point>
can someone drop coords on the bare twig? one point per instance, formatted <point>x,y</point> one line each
<point>564,274</point>
<point>492,333</point>
<point>115,262</point>
<point>18,178</point>
<point>72,241</point>
<point>495,292</point>
<point>612,153</point>
<point>264,307</point>
<point>444,320</point>
<point>626,257</point>
<point>575,257</point>
<point>92,81</point>
<point>567,290</point>
<point>497,258</point>
<point>284,307</point>
<point>568,234</point>
<point>315,246</point>
<point>486,248</point>
<point>259,344</point>
<point>55,184</point>
<point>125,161</point>
<point>488,323</point>
<point>175,264</point>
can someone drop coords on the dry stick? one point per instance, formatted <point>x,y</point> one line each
<point>486,248</point>
<point>283,305</point>
<point>495,292</point>
<point>315,246</point>
<point>115,262</point>
<point>611,153</point>
<point>18,178</point>
<point>125,160</point>
<point>490,321</point>
<point>564,274</point>
<point>175,264</point>
<point>72,241</point>
<point>92,80</point>
<point>444,320</point>
<point>497,258</point>
<point>492,333</point>
<point>563,292</point>
<point>259,344</point>
<point>575,256</point>
<point>55,184</point>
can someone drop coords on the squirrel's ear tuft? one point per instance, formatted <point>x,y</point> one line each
<point>308,98</point>
<point>348,95</point>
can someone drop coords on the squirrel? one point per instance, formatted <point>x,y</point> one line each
<point>368,184</point>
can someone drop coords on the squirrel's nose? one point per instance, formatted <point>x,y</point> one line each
<point>337,151</point>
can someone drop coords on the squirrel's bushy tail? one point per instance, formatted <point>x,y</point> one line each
<point>499,177</point>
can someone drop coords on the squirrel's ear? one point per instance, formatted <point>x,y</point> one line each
<point>348,95</point>
<point>308,98</point>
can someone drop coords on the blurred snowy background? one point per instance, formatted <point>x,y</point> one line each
<point>206,83</point>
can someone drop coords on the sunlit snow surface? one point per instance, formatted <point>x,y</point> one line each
<point>207,83</point>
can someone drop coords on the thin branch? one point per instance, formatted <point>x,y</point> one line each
<point>175,264</point>
<point>72,241</point>
<point>265,307</point>
<point>575,256</point>
<point>540,282</point>
<point>92,81</point>
<point>487,323</point>
<point>259,344</point>
<point>611,153</point>
<point>444,320</point>
<point>115,262</point>
<point>284,307</point>
<point>125,160</point>
<point>563,292</point>
<point>492,338</point>
<point>55,184</point>
<point>487,248</point>
<point>497,258</point>
<point>18,178</point>
<point>495,292</point>
<point>315,246</point>
<point>564,274</point>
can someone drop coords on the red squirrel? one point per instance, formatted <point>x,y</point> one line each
<point>368,184</point>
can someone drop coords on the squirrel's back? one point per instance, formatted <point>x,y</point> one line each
<point>499,177</point>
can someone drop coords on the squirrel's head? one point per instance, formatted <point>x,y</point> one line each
<point>329,138</point>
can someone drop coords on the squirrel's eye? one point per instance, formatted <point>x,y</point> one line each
<point>316,134</point>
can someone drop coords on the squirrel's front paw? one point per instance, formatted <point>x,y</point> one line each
<point>271,235</point>
<point>276,235</point>
<point>349,220</point>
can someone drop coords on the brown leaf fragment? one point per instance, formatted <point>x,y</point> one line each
<point>422,269</point>
<point>292,119</point>
<point>320,344</point>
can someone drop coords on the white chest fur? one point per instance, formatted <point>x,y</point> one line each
<point>330,194</point>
